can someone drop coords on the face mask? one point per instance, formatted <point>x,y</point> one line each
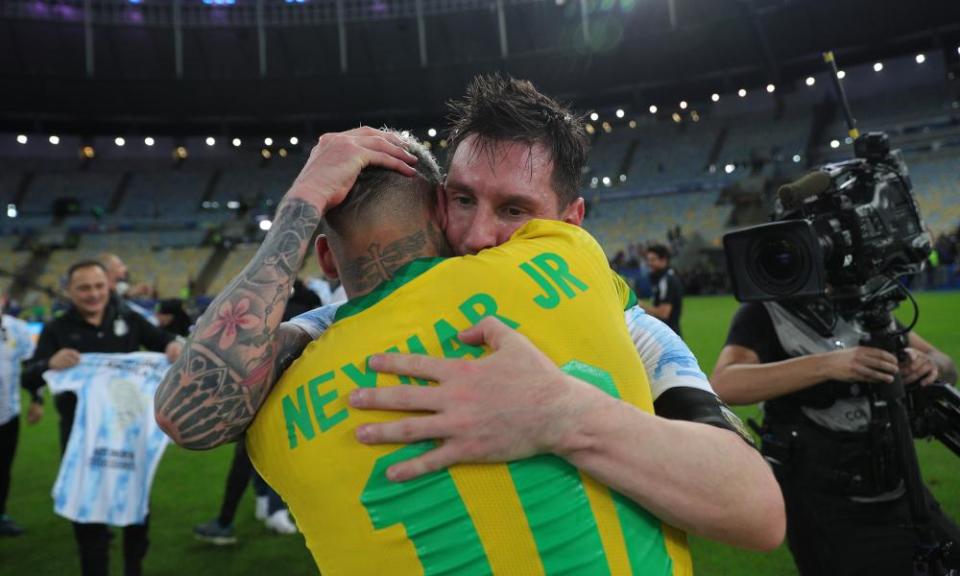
<point>122,287</point>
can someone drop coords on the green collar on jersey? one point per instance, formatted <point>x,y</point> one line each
<point>404,274</point>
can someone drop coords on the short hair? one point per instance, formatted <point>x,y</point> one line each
<point>106,257</point>
<point>88,263</point>
<point>660,250</point>
<point>503,109</point>
<point>377,187</point>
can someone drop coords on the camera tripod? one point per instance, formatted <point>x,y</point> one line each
<point>931,552</point>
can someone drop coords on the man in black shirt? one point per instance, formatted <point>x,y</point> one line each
<point>667,292</point>
<point>95,322</point>
<point>845,513</point>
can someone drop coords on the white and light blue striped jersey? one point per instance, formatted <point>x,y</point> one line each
<point>115,444</point>
<point>149,315</point>
<point>16,345</point>
<point>668,361</point>
<point>666,357</point>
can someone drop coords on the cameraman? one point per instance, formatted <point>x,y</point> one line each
<point>846,511</point>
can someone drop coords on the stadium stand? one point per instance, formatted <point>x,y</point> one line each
<point>256,188</point>
<point>936,185</point>
<point>656,164</point>
<point>91,190</point>
<point>239,256</point>
<point>164,194</point>
<point>619,222</point>
<point>12,261</point>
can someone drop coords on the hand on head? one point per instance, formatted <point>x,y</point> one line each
<point>337,159</point>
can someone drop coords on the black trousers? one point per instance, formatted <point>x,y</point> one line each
<point>93,540</point>
<point>9,433</point>
<point>829,534</point>
<point>241,470</point>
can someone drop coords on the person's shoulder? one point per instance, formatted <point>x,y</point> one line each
<point>558,229</point>
<point>751,313</point>
<point>62,322</point>
<point>315,322</point>
<point>15,323</point>
<point>555,236</point>
<point>130,315</point>
<point>751,327</point>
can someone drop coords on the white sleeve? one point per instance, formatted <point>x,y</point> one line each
<point>316,321</point>
<point>24,338</point>
<point>667,359</point>
<point>68,379</point>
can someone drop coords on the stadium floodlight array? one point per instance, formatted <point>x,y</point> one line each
<point>267,150</point>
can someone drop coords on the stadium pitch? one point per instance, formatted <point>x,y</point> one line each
<point>189,486</point>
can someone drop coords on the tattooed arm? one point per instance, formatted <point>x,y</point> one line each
<point>239,347</point>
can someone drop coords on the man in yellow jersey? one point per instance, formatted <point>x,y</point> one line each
<point>515,154</point>
<point>538,515</point>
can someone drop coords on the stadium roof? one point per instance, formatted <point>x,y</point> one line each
<point>185,66</point>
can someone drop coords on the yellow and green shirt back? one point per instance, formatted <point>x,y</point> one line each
<point>540,515</point>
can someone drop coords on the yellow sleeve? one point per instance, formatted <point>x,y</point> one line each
<point>627,297</point>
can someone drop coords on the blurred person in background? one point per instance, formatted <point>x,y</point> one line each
<point>667,292</point>
<point>173,318</point>
<point>16,345</point>
<point>118,277</point>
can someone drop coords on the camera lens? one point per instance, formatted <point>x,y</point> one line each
<point>779,260</point>
<point>776,260</point>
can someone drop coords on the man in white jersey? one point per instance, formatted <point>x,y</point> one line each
<point>16,345</point>
<point>518,155</point>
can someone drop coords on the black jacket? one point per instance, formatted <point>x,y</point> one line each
<point>122,330</point>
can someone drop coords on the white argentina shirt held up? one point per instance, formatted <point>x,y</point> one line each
<point>115,444</point>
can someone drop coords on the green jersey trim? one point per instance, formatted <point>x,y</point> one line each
<point>631,301</point>
<point>403,275</point>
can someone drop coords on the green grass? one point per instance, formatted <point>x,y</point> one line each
<point>189,486</point>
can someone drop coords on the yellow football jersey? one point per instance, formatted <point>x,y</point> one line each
<point>539,515</point>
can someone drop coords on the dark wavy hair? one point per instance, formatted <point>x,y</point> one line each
<point>82,264</point>
<point>660,250</point>
<point>503,109</point>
